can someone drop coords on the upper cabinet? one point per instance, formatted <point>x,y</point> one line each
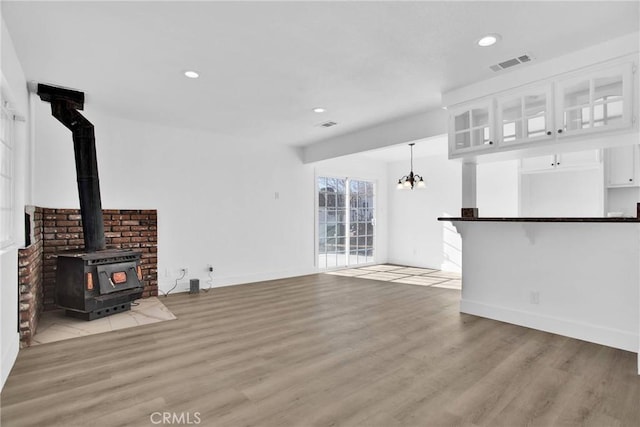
<point>471,127</point>
<point>564,161</point>
<point>622,166</point>
<point>566,108</point>
<point>594,102</point>
<point>525,116</point>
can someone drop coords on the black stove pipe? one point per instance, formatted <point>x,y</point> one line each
<point>65,104</point>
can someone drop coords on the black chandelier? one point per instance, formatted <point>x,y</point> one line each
<point>411,180</point>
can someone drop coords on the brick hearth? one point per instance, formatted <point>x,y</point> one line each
<point>57,230</point>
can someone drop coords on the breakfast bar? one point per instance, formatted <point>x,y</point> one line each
<point>577,277</point>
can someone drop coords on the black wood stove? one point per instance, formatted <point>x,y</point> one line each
<point>97,282</point>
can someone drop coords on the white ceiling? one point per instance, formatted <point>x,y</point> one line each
<point>434,146</point>
<point>265,65</point>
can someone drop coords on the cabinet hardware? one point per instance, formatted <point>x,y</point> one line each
<point>490,142</point>
<point>559,130</point>
<point>549,132</point>
<point>630,179</point>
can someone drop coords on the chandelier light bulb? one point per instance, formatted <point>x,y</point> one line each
<point>411,180</point>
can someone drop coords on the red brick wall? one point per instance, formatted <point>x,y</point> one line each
<point>124,229</point>
<point>30,280</point>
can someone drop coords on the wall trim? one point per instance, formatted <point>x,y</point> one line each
<point>624,340</point>
<point>233,280</point>
<point>9,356</point>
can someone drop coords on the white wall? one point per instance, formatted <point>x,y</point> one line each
<point>568,193</point>
<point>216,201</point>
<point>14,90</point>
<point>623,200</point>
<point>416,237</point>
<point>497,189</point>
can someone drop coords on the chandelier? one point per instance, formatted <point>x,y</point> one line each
<point>411,180</point>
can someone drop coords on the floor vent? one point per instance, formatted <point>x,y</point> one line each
<point>511,62</point>
<point>328,124</point>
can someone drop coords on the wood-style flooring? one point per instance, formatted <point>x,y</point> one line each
<point>323,350</point>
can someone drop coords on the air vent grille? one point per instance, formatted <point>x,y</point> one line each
<point>511,62</point>
<point>328,124</point>
<point>508,64</point>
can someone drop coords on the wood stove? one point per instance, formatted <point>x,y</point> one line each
<point>96,282</point>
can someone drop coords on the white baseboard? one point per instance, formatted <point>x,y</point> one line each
<point>624,340</point>
<point>222,281</point>
<point>9,355</point>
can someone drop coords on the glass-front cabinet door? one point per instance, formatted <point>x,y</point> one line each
<point>593,102</point>
<point>471,127</point>
<point>525,116</point>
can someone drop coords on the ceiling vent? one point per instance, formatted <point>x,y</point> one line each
<point>511,62</point>
<point>328,124</point>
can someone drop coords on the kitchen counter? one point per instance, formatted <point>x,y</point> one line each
<point>577,277</point>
<point>543,219</point>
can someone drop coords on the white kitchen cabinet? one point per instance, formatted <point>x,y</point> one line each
<point>530,164</point>
<point>587,158</point>
<point>525,116</point>
<point>565,109</point>
<point>594,101</point>
<point>622,166</point>
<point>564,161</point>
<point>471,127</point>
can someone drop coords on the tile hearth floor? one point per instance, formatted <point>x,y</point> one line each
<point>55,326</point>
<point>405,275</point>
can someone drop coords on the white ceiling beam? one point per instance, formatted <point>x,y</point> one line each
<point>404,129</point>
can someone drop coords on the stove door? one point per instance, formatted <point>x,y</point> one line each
<point>117,277</point>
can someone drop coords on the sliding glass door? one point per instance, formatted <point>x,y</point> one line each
<point>361,222</point>
<point>346,220</point>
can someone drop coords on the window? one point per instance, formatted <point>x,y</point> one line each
<point>6,176</point>
<point>346,220</point>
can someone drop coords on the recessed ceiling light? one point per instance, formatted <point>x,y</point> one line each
<point>191,74</point>
<point>488,40</point>
<point>319,110</point>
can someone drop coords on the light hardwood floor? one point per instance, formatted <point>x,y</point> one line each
<point>323,350</point>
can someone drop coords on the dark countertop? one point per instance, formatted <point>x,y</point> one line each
<point>543,219</point>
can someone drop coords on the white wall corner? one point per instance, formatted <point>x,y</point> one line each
<point>9,355</point>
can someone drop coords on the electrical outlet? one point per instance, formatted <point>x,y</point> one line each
<point>184,270</point>
<point>209,268</point>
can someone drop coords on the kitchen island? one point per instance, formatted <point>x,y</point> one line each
<point>578,277</point>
